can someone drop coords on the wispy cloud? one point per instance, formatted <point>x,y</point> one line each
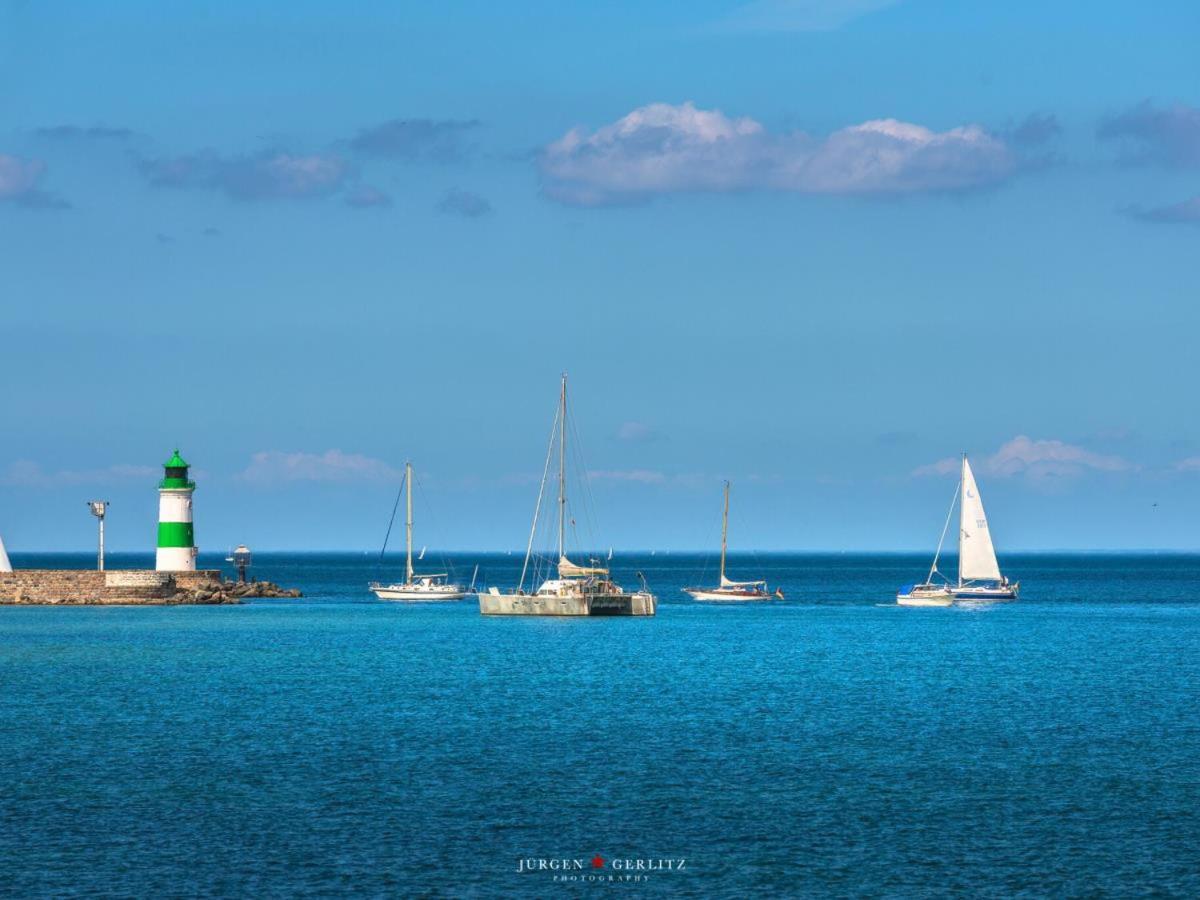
<point>464,203</point>
<point>274,467</point>
<point>24,473</point>
<point>1035,460</point>
<point>20,181</point>
<point>1186,212</point>
<point>84,133</point>
<point>1035,129</point>
<point>662,148</point>
<point>1148,134</point>
<point>1191,464</point>
<point>639,476</point>
<point>270,175</point>
<point>416,140</point>
<point>799,15</point>
<point>364,196</point>
<point>637,433</point>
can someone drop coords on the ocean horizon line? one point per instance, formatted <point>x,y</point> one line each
<point>1080,551</point>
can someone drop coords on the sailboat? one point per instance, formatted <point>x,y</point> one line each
<point>726,589</point>
<point>979,575</point>
<point>415,587</point>
<point>578,590</point>
<point>5,565</point>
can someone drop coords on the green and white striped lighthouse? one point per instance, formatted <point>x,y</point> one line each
<point>176,540</point>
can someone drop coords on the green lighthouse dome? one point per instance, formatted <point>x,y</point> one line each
<point>175,474</point>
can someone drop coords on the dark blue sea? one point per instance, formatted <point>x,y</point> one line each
<point>831,744</point>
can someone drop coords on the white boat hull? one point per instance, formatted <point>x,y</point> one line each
<point>716,595</point>
<point>903,600</point>
<point>417,595</point>
<point>927,597</point>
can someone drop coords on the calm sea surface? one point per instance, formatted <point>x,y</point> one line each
<point>830,744</point>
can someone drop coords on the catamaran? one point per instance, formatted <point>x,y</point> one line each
<point>979,575</point>
<point>415,587</point>
<point>727,589</point>
<point>577,590</point>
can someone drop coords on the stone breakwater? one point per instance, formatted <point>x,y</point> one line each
<point>128,586</point>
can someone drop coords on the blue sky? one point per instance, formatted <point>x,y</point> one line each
<point>815,247</point>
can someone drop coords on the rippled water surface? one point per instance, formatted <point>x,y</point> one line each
<point>829,744</point>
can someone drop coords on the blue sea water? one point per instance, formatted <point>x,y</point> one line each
<point>829,745</point>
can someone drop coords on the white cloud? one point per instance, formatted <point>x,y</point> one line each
<point>18,176</point>
<point>1035,460</point>
<point>637,433</point>
<point>1191,464</point>
<point>640,476</point>
<point>19,179</point>
<point>947,466</point>
<point>274,466</point>
<point>24,473</point>
<point>662,148</point>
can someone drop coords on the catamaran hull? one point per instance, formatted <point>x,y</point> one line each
<point>726,596</point>
<point>586,605</point>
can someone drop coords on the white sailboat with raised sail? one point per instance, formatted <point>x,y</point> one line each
<point>727,589</point>
<point>979,575</point>
<point>577,590</point>
<point>423,587</point>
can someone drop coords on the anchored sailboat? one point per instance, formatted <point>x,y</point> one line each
<point>578,590</point>
<point>979,575</point>
<point>727,589</point>
<point>415,587</point>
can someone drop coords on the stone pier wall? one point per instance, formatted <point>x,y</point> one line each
<point>118,586</point>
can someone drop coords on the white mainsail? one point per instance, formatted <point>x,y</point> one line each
<point>5,565</point>
<point>976,555</point>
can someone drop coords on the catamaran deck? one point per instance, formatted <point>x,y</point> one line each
<point>639,604</point>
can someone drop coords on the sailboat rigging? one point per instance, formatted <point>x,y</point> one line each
<point>727,589</point>
<point>578,590</point>
<point>416,587</point>
<point>979,576</point>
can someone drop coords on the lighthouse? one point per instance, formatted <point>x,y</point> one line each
<point>176,541</point>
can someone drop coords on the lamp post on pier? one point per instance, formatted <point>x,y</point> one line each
<point>99,508</point>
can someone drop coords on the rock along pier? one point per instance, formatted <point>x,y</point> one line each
<point>88,587</point>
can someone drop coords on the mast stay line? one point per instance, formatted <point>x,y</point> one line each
<point>942,539</point>
<point>391,522</point>
<point>538,506</point>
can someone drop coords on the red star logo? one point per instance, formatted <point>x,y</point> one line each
<point>597,861</point>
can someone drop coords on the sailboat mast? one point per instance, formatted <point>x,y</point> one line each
<point>724,531</point>
<point>408,520</point>
<point>562,467</point>
<point>962,517</point>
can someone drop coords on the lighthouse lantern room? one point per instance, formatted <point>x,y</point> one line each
<point>176,540</point>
